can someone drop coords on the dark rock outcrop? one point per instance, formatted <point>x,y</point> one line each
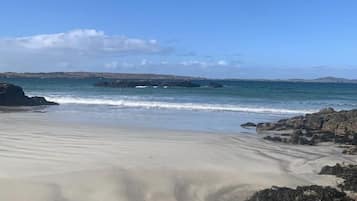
<point>147,83</point>
<point>248,125</point>
<point>332,170</point>
<point>303,193</point>
<point>350,150</point>
<point>273,138</point>
<point>12,95</point>
<point>341,123</point>
<point>323,126</point>
<point>348,173</point>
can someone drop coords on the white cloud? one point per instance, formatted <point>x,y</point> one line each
<point>111,65</point>
<point>205,63</point>
<point>193,62</point>
<point>64,51</point>
<point>92,50</point>
<point>222,63</point>
<point>86,40</point>
<point>144,62</point>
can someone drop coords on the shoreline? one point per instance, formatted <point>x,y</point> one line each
<point>40,153</point>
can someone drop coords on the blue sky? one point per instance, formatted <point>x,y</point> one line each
<point>241,39</point>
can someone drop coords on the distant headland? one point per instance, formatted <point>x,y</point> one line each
<point>130,76</point>
<point>84,75</point>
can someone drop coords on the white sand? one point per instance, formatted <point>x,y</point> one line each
<point>43,160</point>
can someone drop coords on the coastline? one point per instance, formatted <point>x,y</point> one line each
<point>53,160</point>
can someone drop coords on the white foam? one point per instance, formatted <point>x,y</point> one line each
<point>176,106</point>
<point>141,87</point>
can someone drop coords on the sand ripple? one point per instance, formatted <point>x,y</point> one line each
<point>46,160</point>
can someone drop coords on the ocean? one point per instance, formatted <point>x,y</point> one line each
<point>219,110</point>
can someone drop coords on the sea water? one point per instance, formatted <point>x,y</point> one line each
<point>194,109</point>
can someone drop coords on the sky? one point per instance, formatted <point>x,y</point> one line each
<point>219,39</point>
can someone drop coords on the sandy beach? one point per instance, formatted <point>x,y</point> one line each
<point>46,160</point>
<point>178,100</point>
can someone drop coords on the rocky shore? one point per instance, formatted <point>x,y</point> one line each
<point>12,95</point>
<point>327,125</point>
<point>301,193</point>
<point>347,172</point>
<point>314,192</point>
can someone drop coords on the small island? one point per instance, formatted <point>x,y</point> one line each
<point>140,83</point>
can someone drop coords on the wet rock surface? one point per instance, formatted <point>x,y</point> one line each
<point>327,125</point>
<point>248,125</point>
<point>340,123</point>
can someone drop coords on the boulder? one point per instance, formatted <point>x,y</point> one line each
<point>297,137</point>
<point>12,95</point>
<point>293,123</point>
<point>332,170</point>
<point>327,110</point>
<point>301,193</point>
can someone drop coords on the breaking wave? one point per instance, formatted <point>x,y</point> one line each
<point>174,105</point>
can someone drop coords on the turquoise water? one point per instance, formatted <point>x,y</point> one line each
<point>199,109</point>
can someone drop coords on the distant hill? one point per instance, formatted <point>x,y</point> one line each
<point>326,80</point>
<point>317,80</point>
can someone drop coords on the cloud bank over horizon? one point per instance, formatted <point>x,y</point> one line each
<point>70,50</point>
<point>85,41</point>
<point>93,50</point>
